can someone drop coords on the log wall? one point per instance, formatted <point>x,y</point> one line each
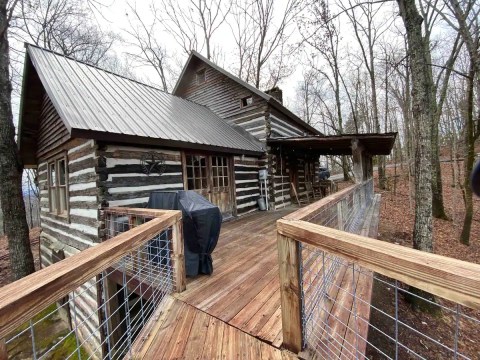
<point>247,185</point>
<point>52,132</point>
<point>78,230</point>
<point>122,180</point>
<point>223,96</point>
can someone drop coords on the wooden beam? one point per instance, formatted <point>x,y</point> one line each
<point>452,279</point>
<point>289,260</point>
<point>22,299</point>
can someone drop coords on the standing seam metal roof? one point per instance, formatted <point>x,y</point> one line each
<point>89,98</point>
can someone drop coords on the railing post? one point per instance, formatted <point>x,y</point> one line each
<point>289,260</point>
<point>340,214</point>
<point>3,350</point>
<point>178,257</point>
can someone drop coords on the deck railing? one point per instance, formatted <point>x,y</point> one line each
<point>96,303</point>
<point>348,296</point>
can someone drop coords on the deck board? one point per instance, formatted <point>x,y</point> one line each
<point>186,332</point>
<point>243,290</point>
<point>235,312</point>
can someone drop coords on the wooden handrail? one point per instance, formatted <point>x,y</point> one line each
<point>117,210</point>
<point>315,208</point>
<point>22,299</point>
<point>452,279</point>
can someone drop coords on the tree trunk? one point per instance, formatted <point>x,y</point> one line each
<point>13,207</point>
<point>469,159</point>
<point>422,84</point>
<point>438,209</point>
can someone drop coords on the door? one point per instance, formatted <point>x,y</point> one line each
<point>221,191</point>
<point>210,176</point>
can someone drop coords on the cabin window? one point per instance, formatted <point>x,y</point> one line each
<point>246,101</point>
<point>220,171</point>
<point>196,172</point>
<point>201,76</point>
<point>57,186</point>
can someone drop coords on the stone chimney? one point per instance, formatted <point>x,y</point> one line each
<point>276,93</point>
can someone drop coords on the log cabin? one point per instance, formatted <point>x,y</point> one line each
<point>98,139</point>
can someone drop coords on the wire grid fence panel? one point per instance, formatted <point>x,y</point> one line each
<point>319,272</point>
<point>103,318</point>
<point>348,324</point>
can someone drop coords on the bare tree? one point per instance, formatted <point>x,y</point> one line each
<point>64,26</point>
<point>464,18</point>
<point>145,39</point>
<point>320,33</point>
<point>422,99</point>
<point>13,207</point>
<point>260,38</point>
<point>307,91</point>
<point>367,32</point>
<point>194,22</point>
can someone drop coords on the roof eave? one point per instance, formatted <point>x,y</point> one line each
<point>142,140</point>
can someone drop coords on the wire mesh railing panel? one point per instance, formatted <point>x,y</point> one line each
<point>322,274</point>
<point>344,321</point>
<point>351,312</point>
<point>104,317</point>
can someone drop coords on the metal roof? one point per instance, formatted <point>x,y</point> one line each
<point>95,103</point>
<point>270,99</point>
<point>374,143</point>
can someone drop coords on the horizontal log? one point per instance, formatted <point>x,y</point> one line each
<point>23,299</point>
<point>137,168</point>
<point>452,279</point>
<point>133,181</point>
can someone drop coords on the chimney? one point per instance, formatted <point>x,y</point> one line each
<point>276,93</point>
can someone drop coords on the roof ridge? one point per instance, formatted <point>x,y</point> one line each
<point>95,67</point>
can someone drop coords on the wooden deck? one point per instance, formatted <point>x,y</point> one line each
<point>243,290</point>
<point>235,312</point>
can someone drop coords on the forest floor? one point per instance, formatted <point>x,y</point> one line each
<point>396,226</point>
<point>5,273</point>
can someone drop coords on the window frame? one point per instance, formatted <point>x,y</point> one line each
<point>245,99</point>
<point>55,186</point>
<point>201,74</point>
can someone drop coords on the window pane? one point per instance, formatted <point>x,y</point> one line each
<point>53,179</point>
<point>225,181</point>
<point>62,196</point>
<point>190,184</point>
<point>215,182</point>
<point>62,173</point>
<point>53,206</point>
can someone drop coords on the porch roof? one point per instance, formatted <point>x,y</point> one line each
<point>374,143</point>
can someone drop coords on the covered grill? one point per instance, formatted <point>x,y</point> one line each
<point>201,226</point>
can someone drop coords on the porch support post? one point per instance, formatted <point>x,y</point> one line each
<point>358,163</point>
<point>289,260</point>
<point>362,162</point>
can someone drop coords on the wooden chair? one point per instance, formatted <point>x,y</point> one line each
<point>312,189</point>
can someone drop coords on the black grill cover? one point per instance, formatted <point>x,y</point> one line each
<point>201,226</point>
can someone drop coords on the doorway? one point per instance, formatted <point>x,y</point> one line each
<point>211,177</point>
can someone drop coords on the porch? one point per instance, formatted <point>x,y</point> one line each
<point>320,310</point>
